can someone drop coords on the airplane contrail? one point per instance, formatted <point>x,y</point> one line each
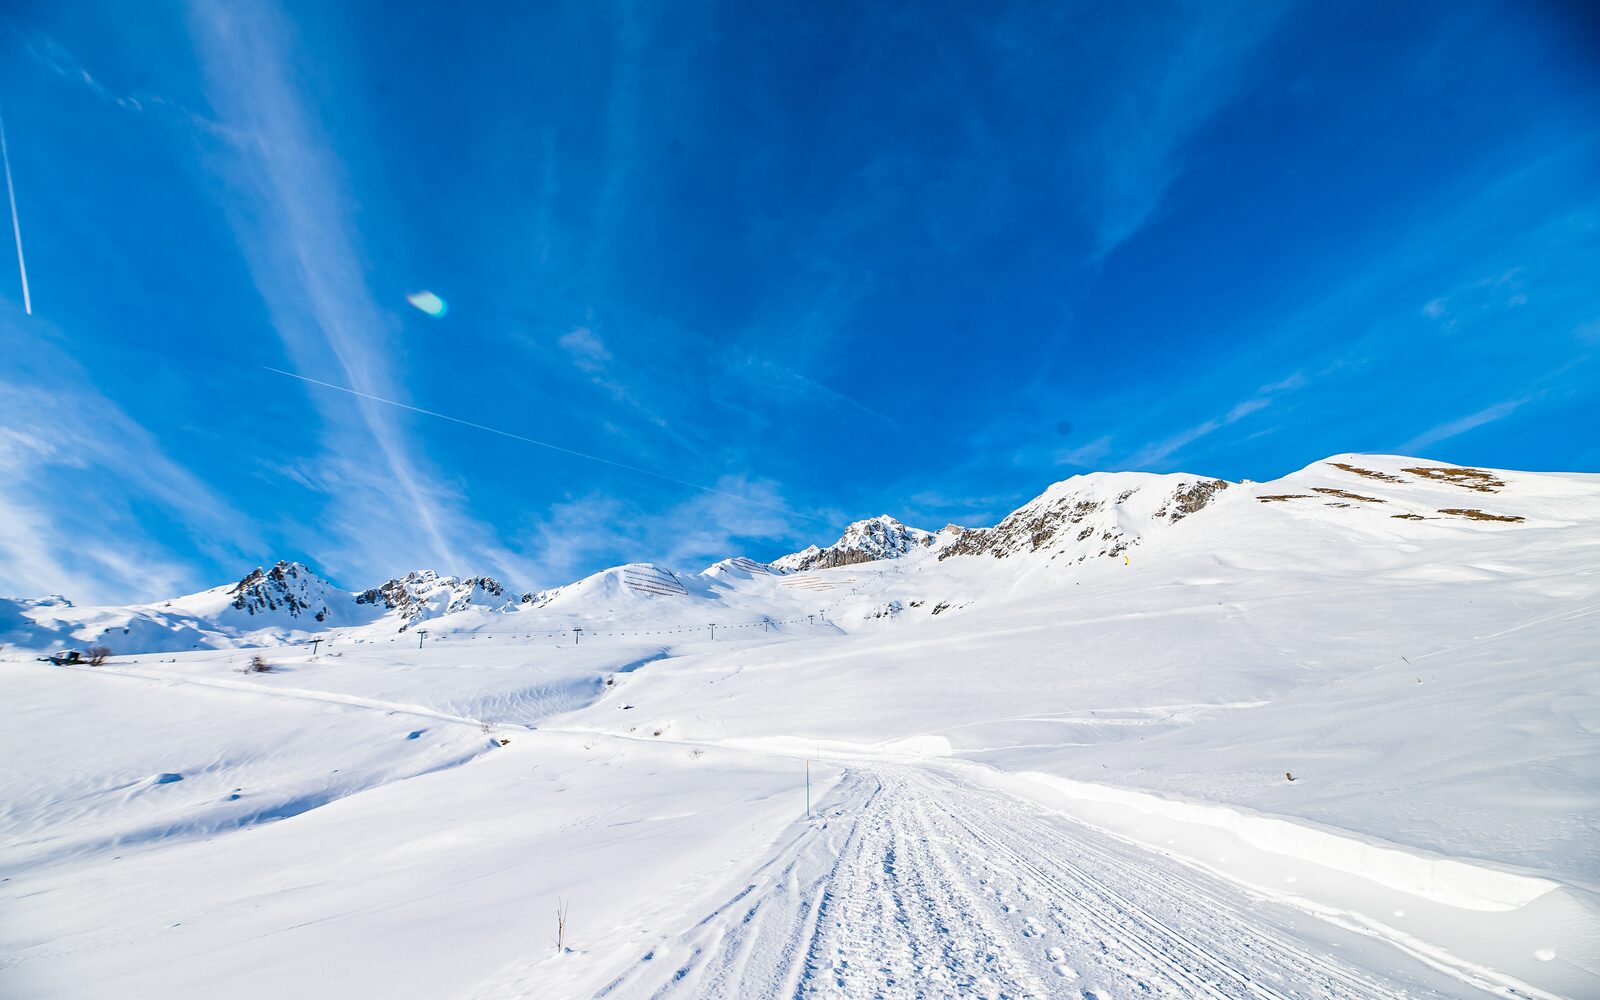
<point>543,444</point>
<point>16,229</point>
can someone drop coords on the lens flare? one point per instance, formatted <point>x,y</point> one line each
<point>428,303</point>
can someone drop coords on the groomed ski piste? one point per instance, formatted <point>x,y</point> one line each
<point>1049,759</point>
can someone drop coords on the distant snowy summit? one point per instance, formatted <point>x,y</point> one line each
<point>880,537</point>
<point>424,594</point>
<point>606,586</point>
<point>1106,514</point>
<point>265,605</point>
<point>290,592</point>
<point>1347,500</point>
<point>740,567</point>
<point>1100,514</point>
<point>287,589</point>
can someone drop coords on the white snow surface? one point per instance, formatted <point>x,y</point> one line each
<point>1049,758</point>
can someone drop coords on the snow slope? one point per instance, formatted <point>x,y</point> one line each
<point>924,885</point>
<point>1061,748</point>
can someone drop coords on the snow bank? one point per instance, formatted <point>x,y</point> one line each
<point>1444,880</point>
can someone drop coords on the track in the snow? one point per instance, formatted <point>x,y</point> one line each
<point>917,885</point>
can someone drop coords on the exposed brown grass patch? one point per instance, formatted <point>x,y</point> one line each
<point>1480,480</point>
<point>1369,473</point>
<point>1409,517</point>
<point>1478,515</point>
<point>1344,495</point>
<point>1284,496</point>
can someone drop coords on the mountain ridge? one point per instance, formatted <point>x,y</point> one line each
<point>1087,517</point>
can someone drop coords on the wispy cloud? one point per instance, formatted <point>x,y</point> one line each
<point>53,55</point>
<point>586,349</point>
<point>79,479</point>
<point>1158,452</point>
<point>600,530</point>
<point>1187,71</point>
<point>777,381</point>
<point>1085,455</point>
<point>1503,290</point>
<point>932,509</point>
<point>1450,429</point>
<point>290,213</point>
<point>589,354</point>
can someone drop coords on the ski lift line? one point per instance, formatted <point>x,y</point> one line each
<point>587,630</point>
<point>528,440</point>
<point>820,619</point>
<point>16,227</point>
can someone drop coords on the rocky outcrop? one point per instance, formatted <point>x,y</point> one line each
<point>875,538</point>
<point>425,594</point>
<point>1188,500</point>
<point>1087,517</point>
<point>288,587</point>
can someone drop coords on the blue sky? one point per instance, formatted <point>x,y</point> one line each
<point>822,260</point>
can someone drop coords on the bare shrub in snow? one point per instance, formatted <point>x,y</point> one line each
<point>97,655</point>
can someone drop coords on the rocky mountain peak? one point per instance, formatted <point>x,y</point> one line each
<point>881,537</point>
<point>1097,515</point>
<point>423,594</point>
<point>287,587</point>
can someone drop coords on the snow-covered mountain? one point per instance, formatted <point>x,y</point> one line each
<point>424,594</point>
<point>623,585</point>
<point>287,589</point>
<point>875,538</point>
<point>287,602</point>
<point>741,567</point>
<point>1099,516</point>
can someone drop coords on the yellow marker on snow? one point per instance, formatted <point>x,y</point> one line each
<point>1125,561</point>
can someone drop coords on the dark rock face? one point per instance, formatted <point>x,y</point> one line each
<point>1027,529</point>
<point>968,542</point>
<point>297,592</point>
<point>1083,522</point>
<point>288,587</point>
<point>1192,499</point>
<point>426,594</point>
<point>829,558</point>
